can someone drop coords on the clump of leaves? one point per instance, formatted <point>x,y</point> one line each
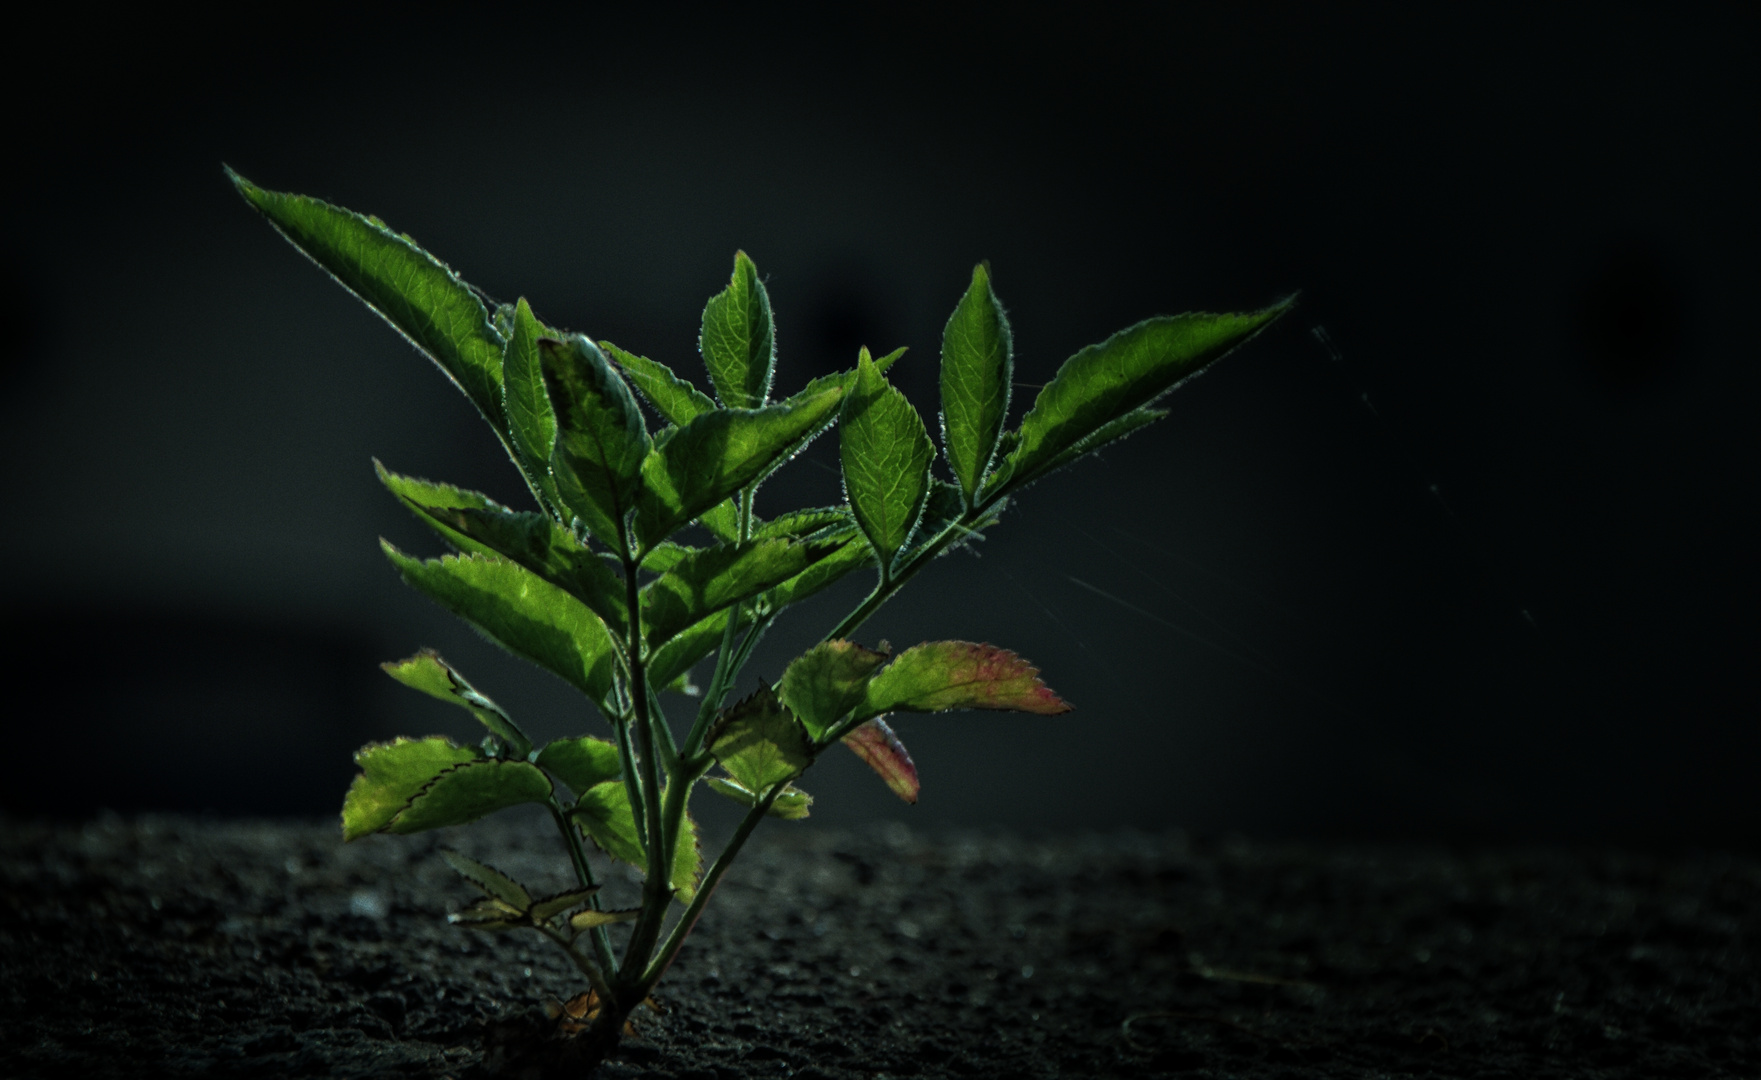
<point>598,586</point>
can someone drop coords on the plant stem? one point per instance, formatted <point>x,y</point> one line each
<point>595,975</point>
<point>727,668</point>
<point>583,873</point>
<point>682,929</point>
<point>656,888</point>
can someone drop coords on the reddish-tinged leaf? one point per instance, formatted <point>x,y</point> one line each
<point>875,743</point>
<point>939,675</point>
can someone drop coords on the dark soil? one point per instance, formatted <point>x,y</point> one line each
<point>176,946</point>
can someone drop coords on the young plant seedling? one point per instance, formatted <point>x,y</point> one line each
<point>598,586</point>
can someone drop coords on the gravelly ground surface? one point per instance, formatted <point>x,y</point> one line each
<point>183,947</point>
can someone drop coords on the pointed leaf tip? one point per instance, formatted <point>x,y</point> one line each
<point>941,675</point>
<point>977,374</point>
<point>738,339</point>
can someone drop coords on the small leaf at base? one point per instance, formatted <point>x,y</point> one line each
<point>492,882</point>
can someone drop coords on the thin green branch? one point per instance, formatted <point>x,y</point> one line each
<point>682,929</point>
<point>888,584</point>
<point>656,889</point>
<point>595,975</point>
<point>583,874</point>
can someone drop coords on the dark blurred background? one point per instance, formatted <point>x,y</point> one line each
<point>1463,549</point>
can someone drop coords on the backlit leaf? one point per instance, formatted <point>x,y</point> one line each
<point>739,340</point>
<point>805,524</point>
<point>1105,382</point>
<point>421,495</point>
<point>718,577</point>
<point>674,398</point>
<point>875,743</point>
<point>467,792</point>
<point>582,763</point>
<point>676,658</point>
<point>491,881</point>
<point>760,743</point>
<point>886,455</point>
<point>791,804</point>
<point>978,366</point>
<point>600,437</point>
<point>940,675</point>
<point>427,672</point>
<point>1107,433</point>
<point>606,816</point>
<point>536,542</point>
<point>827,681</point>
<point>551,906</point>
<point>488,915</point>
<point>391,775</point>
<point>852,553</point>
<point>716,455</point>
<point>407,287</point>
<point>521,612</point>
<point>687,860</point>
<point>525,401</point>
<point>587,920</point>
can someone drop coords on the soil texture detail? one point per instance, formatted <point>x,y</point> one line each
<point>162,946</point>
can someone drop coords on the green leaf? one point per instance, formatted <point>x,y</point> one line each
<point>547,908</point>
<point>676,658</point>
<point>582,763</point>
<point>791,804</point>
<point>422,495</point>
<point>476,524</point>
<point>606,816</point>
<point>875,743</point>
<point>716,455</point>
<point>467,792</point>
<point>852,553</point>
<point>843,381</point>
<point>391,775</point>
<point>587,920</point>
<point>407,287</point>
<point>1105,382</point>
<point>722,520</point>
<point>1107,433</point>
<point>941,675</point>
<point>531,422</point>
<point>522,613</point>
<point>816,524</point>
<point>536,542</point>
<point>427,672</point>
<point>739,340</point>
<point>718,577</point>
<point>667,555</point>
<point>492,882</point>
<point>827,681</point>
<point>687,859</point>
<point>886,454</point>
<point>978,365</point>
<point>674,398</point>
<point>488,915</point>
<point>600,439</point>
<point>760,743</point>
